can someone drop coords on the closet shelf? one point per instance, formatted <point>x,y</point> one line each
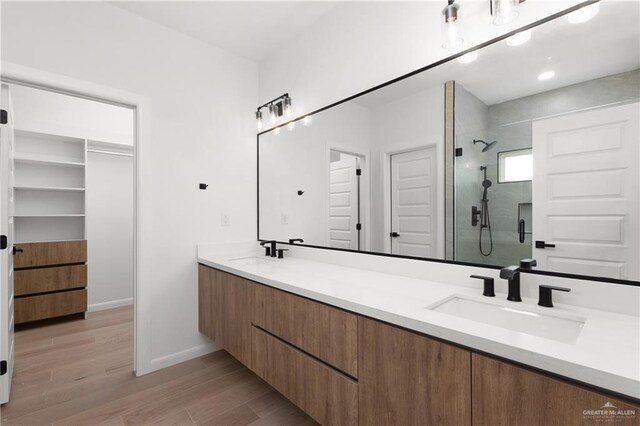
<point>45,161</point>
<point>48,215</point>
<point>47,188</point>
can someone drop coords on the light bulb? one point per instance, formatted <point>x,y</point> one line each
<point>584,14</point>
<point>291,126</point>
<point>272,114</point>
<point>520,38</point>
<point>276,131</point>
<point>451,37</point>
<point>504,11</point>
<point>259,120</point>
<point>287,107</point>
<point>306,121</point>
<point>467,58</point>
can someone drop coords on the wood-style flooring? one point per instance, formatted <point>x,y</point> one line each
<point>80,372</point>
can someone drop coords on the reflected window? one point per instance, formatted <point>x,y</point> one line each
<point>515,166</point>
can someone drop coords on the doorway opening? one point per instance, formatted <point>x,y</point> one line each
<point>68,212</point>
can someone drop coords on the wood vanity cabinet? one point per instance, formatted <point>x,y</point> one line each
<point>223,311</point>
<point>409,379</point>
<point>505,394</point>
<point>344,369</point>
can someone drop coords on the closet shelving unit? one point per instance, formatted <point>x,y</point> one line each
<point>49,225</point>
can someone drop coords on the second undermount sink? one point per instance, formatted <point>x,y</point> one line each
<point>553,325</point>
<point>252,260</point>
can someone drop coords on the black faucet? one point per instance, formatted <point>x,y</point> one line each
<point>269,251</point>
<point>295,240</point>
<point>488,289</point>
<point>512,273</point>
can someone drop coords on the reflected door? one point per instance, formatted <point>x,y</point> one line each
<point>344,201</point>
<point>585,193</point>
<point>413,203</point>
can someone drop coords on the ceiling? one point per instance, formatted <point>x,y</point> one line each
<point>251,29</point>
<point>576,53</point>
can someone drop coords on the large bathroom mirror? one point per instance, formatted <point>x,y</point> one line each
<point>525,148</point>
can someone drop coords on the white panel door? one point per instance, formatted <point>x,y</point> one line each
<point>343,201</point>
<point>413,203</point>
<point>585,192</point>
<point>6,255</point>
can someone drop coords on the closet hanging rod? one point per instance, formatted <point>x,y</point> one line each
<point>97,151</point>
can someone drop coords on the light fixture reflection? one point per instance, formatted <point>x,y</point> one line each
<point>287,107</point>
<point>259,120</point>
<point>291,126</point>
<point>584,14</point>
<point>468,57</point>
<point>520,38</point>
<point>546,75</point>
<point>272,114</point>
<point>306,121</point>
<point>276,131</point>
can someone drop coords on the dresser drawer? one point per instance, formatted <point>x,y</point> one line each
<point>330,397</point>
<point>43,280</point>
<point>325,332</point>
<point>50,253</point>
<point>33,308</point>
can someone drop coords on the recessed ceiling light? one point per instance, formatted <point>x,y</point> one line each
<point>546,75</point>
<point>467,58</point>
<point>584,14</point>
<point>519,38</point>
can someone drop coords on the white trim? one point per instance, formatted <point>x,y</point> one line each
<point>142,152</point>
<point>95,307</point>
<point>182,356</point>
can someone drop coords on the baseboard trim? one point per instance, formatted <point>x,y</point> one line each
<point>109,305</point>
<point>182,356</point>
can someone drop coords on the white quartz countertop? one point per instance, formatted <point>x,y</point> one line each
<point>606,353</point>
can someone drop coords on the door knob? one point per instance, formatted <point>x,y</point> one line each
<point>394,235</point>
<point>542,245</point>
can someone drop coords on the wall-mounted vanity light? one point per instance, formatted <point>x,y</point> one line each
<point>278,107</point>
<point>451,37</point>
<point>504,11</point>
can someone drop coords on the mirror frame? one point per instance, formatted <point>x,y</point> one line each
<point>403,77</point>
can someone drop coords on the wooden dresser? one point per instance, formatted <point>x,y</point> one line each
<point>50,279</point>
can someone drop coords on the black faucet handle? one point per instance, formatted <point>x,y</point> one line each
<point>281,253</point>
<point>545,295</point>
<point>489,288</point>
<point>508,272</point>
<point>528,263</point>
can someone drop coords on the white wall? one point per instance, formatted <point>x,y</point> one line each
<point>358,45</point>
<point>298,160</point>
<point>201,130</point>
<point>109,225</point>
<point>415,121</point>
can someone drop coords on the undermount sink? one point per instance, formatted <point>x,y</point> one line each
<point>252,260</point>
<point>553,325</point>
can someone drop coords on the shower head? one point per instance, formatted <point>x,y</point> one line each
<point>487,146</point>
<point>486,184</point>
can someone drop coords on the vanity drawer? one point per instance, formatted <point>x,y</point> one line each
<point>325,332</point>
<point>50,253</point>
<point>33,308</point>
<point>43,280</point>
<point>328,396</point>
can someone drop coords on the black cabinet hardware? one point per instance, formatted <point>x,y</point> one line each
<point>394,235</point>
<point>17,250</point>
<point>542,245</point>
<point>203,186</point>
<point>488,290</point>
<point>3,242</point>
<point>3,367</point>
<point>544,297</point>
